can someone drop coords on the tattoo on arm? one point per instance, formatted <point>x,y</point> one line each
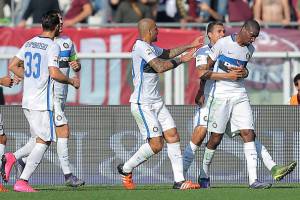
<point>161,66</point>
<point>172,53</point>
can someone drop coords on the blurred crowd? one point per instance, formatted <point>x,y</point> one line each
<point>97,12</point>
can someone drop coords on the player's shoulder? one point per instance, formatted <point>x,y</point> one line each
<point>251,48</point>
<point>204,50</point>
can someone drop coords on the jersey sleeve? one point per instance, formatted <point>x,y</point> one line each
<point>21,53</point>
<point>216,50</point>
<point>53,55</point>
<point>158,50</point>
<point>201,58</point>
<point>146,52</point>
<point>73,55</point>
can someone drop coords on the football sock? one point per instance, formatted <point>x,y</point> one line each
<point>264,155</point>
<point>33,160</point>
<point>207,159</point>
<point>175,156</point>
<point>2,149</point>
<point>251,157</point>
<point>143,154</point>
<point>188,156</point>
<point>63,155</point>
<point>26,149</point>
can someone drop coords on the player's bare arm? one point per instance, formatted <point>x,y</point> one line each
<point>6,81</point>
<point>58,76</point>
<point>199,99</point>
<point>75,65</point>
<point>172,53</point>
<point>161,66</point>
<point>14,67</point>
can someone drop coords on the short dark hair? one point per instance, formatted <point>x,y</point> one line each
<point>211,25</point>
<point>50,20</point>
<point>251,25</point>
<point>296,79</point>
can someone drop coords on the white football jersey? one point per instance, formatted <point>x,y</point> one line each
<point>227,52</point>
<point>38,54</point>
<point>67,54</point>
<point>201,59</point>
<point>145,78</point>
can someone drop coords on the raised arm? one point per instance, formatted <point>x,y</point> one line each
<point>172,53</point>
<point>15,66</point>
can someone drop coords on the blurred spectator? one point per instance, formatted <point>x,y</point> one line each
<point>131,11</point>
<point>20,10</point>
<point>295,99</point>
<point>294,10</point>
<point>166,11</point>
<point>100,12</point>
<point>78,12</point>
<point>239,10</point>
<point>152,5</point>
<point>36,9</point>
<point>2,4</point>
<point>203,11</point>
<point>274,11</point>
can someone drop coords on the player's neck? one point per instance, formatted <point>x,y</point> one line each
<point>238,40</point>
<point>48,34</point>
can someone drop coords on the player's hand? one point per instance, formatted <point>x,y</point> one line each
<point>6,81</point>
<point>188,56</point>
<point>75,82</point>
<point>240,69</point>
<point>197,43</point>
<point>17,80</point>
<point>74,65</point>
<point>234,75</point>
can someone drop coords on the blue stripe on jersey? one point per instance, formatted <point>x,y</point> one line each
<point>144,120</point>
<point>65,53</point>
<point>132,72</point>
<point>48,94</point>
<point>143,63</point>
<point>232,61</point>
<point>51,125</point>
<point>198,110</point>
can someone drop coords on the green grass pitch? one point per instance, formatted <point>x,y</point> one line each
<point>159,192</point>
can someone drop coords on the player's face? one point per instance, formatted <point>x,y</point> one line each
<point>249,36</point>
<point>61,23</point>
<point>217,33</point>
<point>153,33</point>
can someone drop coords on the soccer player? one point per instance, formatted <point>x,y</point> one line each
<point>215,31</point>
<point>7,82</point>
<point>153,118</point>
<point>295,99</point>
<point>228,100</point>
<point>41,67</point>
<point>68,58</point>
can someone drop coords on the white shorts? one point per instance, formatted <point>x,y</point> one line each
<point>201,119</point>
<point>152,119</point>
<point>236,110</point>
<point>59,111</point>
<point>1,126</point>
<point>41,124</point>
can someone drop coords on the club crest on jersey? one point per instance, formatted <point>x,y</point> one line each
<point>66,45</point>
<point>59,118</point>
<point>148,51</point>
<point>248,56</point>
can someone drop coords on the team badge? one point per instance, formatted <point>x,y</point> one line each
<point>59,118</point>
<point>155,129</point>
<point>215,125</point>
<point>66,45</point>
<point>148,51</point>
<point>248,56</point>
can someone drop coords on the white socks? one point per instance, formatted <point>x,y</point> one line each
<point>26,149</point>
<point>2,149</point>
<point>264,155</point>
<point>251,157</point>
<point>207,159</point>
<point>63,155</point>
<point>33,160</point>
<point>188,156</point>
<point>143,154</point>
<point>175,156</point>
